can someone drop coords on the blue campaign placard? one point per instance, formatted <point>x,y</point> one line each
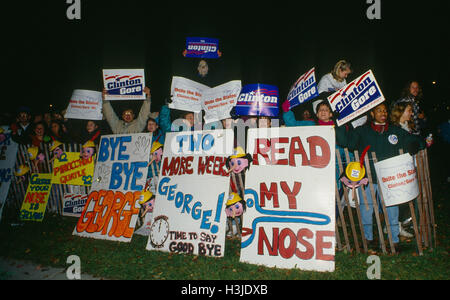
<point>304,89</point>
<point>258,100</point>
<point>356,98</point>
<point>202,47</point>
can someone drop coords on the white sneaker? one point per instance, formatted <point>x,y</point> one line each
<point>404,233</point>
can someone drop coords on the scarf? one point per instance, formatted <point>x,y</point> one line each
<point>380,128</point>
<point>319,122</point>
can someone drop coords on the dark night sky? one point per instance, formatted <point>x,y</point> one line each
<point>45,56</point>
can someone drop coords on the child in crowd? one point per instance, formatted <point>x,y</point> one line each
<point>385,140</point>
<point>92,132</point>
<point>157,133</point>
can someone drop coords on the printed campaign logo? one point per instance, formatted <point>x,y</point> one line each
<point>356,98</point>
<point>202,47</point>
<point>124,84</point>
<point>304,89</point>
<point>258,100</point>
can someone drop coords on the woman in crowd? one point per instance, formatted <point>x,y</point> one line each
<point>336,79</point>
<point>385,140</point>
<point>57,132</point>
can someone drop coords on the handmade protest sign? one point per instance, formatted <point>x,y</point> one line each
<point>290,217</point>
<point>193,186</point>
<point>119,178</point>
<point>73,170</point>
<point>124,84</point>
<point>85,105</point>
<point>258,100</point>
<point>186,94</point>
<point>202,47</point>
<point>397,178</point>
<point>36,198</point>
<point>217,102</point>
<point>8,153</point>
<point>303,90</point>
<point>356,98</point>
<point>192,96</point>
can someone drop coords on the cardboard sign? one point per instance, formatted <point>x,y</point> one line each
<point>73,170</point>
<point>397,178</point>
<point>124,84</point>
<point>189,216</point>
<point>36,198</point>
<point>258,100</point>
<point>119,178</point>
<point>304,89</point>
<point>192,96</point>
<point>290,217</point>
<point>186,94</point>
<point>85,105</point>
<point>356,98</point>
<point>202,47</point>
<point>8,154</point>
<point>217,102</point>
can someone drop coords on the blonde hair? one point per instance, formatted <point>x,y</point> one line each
<point>341,65</point>
<point>397,113</point>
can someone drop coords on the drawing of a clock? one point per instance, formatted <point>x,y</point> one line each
<point>159,231</point>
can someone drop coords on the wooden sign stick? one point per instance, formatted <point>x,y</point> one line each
<point>383,207</point>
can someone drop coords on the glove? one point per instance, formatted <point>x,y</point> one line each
<point>285,106</point>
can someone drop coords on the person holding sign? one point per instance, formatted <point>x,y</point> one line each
<point>336,79</point>
<point>128,124</point>
<point>385,140</point>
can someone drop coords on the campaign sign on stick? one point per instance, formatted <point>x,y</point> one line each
<point>397,178</point>
<point>85,105</point>
<point>258,100</point>
<point>356,98</point>
<point>202,47</point>
<point>73,204</point>
<point>217,102</point>
<point>120,174</point>
<point>73,170</point>
<point>290,217</point>
<point>36,198</point>
<point>189,214</point>
<point>186,94</point>
<point>304,89</point>
<point>124,84</point>
<point>8,154</point>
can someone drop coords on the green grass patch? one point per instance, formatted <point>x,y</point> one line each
<point>50,242</point>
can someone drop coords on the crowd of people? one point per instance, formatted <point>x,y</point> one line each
<point>403,119</point>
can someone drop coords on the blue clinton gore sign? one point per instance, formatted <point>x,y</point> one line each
<point>356,98</point>
<point>202,47</point>
<point>258,100</point>
<point>304,89</point>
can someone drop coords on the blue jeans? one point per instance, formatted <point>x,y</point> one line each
<point>367,215</point>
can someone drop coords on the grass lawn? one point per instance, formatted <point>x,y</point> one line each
<point>50,243</point>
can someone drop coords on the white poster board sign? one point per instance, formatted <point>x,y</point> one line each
<point>189,214</point>
<point>218,101</point>
<point>8,154</point>
<point>290,217</point>
<point>120,174</point>
<point>397,178</point>
<point>186,94</point>
<point>85,105</point>
<point>124,84</point>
